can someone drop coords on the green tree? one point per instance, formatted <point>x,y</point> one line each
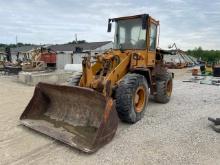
<point>206,55</point>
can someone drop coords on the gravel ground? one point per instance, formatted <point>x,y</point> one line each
<point>173,133</point>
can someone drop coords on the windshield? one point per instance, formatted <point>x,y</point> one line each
<point>130,35</point>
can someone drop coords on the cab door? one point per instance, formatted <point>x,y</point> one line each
<point>152,41</point>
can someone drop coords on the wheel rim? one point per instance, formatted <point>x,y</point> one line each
<point>169,88</point>
<point>139,99</point>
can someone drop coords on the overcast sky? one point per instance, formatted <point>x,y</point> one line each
<point>188,23</point>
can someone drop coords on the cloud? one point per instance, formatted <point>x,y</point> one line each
<point>175,1</point>
<point>188,23</point>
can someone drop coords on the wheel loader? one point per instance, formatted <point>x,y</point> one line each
<point>114,85</point>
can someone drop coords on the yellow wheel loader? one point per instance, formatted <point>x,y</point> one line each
<point>116,84</point>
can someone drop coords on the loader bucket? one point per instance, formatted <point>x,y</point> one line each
<point>79,117</point>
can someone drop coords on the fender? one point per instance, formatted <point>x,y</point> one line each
<point>145,72</point>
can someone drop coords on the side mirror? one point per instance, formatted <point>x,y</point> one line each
<point>109,26</point>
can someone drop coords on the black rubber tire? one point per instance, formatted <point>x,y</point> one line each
<point>74,81</point>
<point>161,87</point>
<point>125,97</point>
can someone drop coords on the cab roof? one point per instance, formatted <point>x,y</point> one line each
<point>130,17</point>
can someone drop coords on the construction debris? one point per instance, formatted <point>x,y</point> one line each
<point>194,79</point>
<point>195,72</point>
<point>216,126</point>
<point>40,60</point>
<point>216,71</point>
<point>2,60</point>
<point>208,80</point>
<point>211,81</point>
<point>179,59</point>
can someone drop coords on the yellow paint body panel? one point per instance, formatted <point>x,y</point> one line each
<point>111,66</point>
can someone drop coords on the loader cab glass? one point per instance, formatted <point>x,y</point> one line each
<point>153,36</point>
<point>130,34</point>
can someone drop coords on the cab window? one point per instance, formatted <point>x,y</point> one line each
<point>153,36</point>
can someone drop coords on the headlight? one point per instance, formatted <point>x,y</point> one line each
<point>135,56</point>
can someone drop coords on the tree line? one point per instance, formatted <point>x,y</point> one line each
<point>212,56</point>
<point>4,46</point>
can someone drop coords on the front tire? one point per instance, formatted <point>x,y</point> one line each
<point>132,97</point>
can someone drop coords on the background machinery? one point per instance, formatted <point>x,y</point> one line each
<point>39,59</point>
<point>114,84</point>
<point>2,61</point>
<point>11,67</point>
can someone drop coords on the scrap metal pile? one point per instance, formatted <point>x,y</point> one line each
<point>6,64</point>
<point>2,60</point>
<point>216,124</point>
<point>208,75</point>
<point>39,59</point>
<point>179,59</point>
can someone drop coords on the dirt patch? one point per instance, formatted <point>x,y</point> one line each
<point>173,133</point>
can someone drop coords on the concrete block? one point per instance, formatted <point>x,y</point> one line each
<point>33,78</point>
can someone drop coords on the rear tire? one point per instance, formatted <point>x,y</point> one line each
<point>132,97</point>
<point>74,81</point>
<point>164,85</point>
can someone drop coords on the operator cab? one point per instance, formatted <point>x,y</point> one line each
<point>132,32</point>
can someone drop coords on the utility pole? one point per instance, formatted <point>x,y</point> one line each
<point>16,39</point>
<point>76,38</point>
